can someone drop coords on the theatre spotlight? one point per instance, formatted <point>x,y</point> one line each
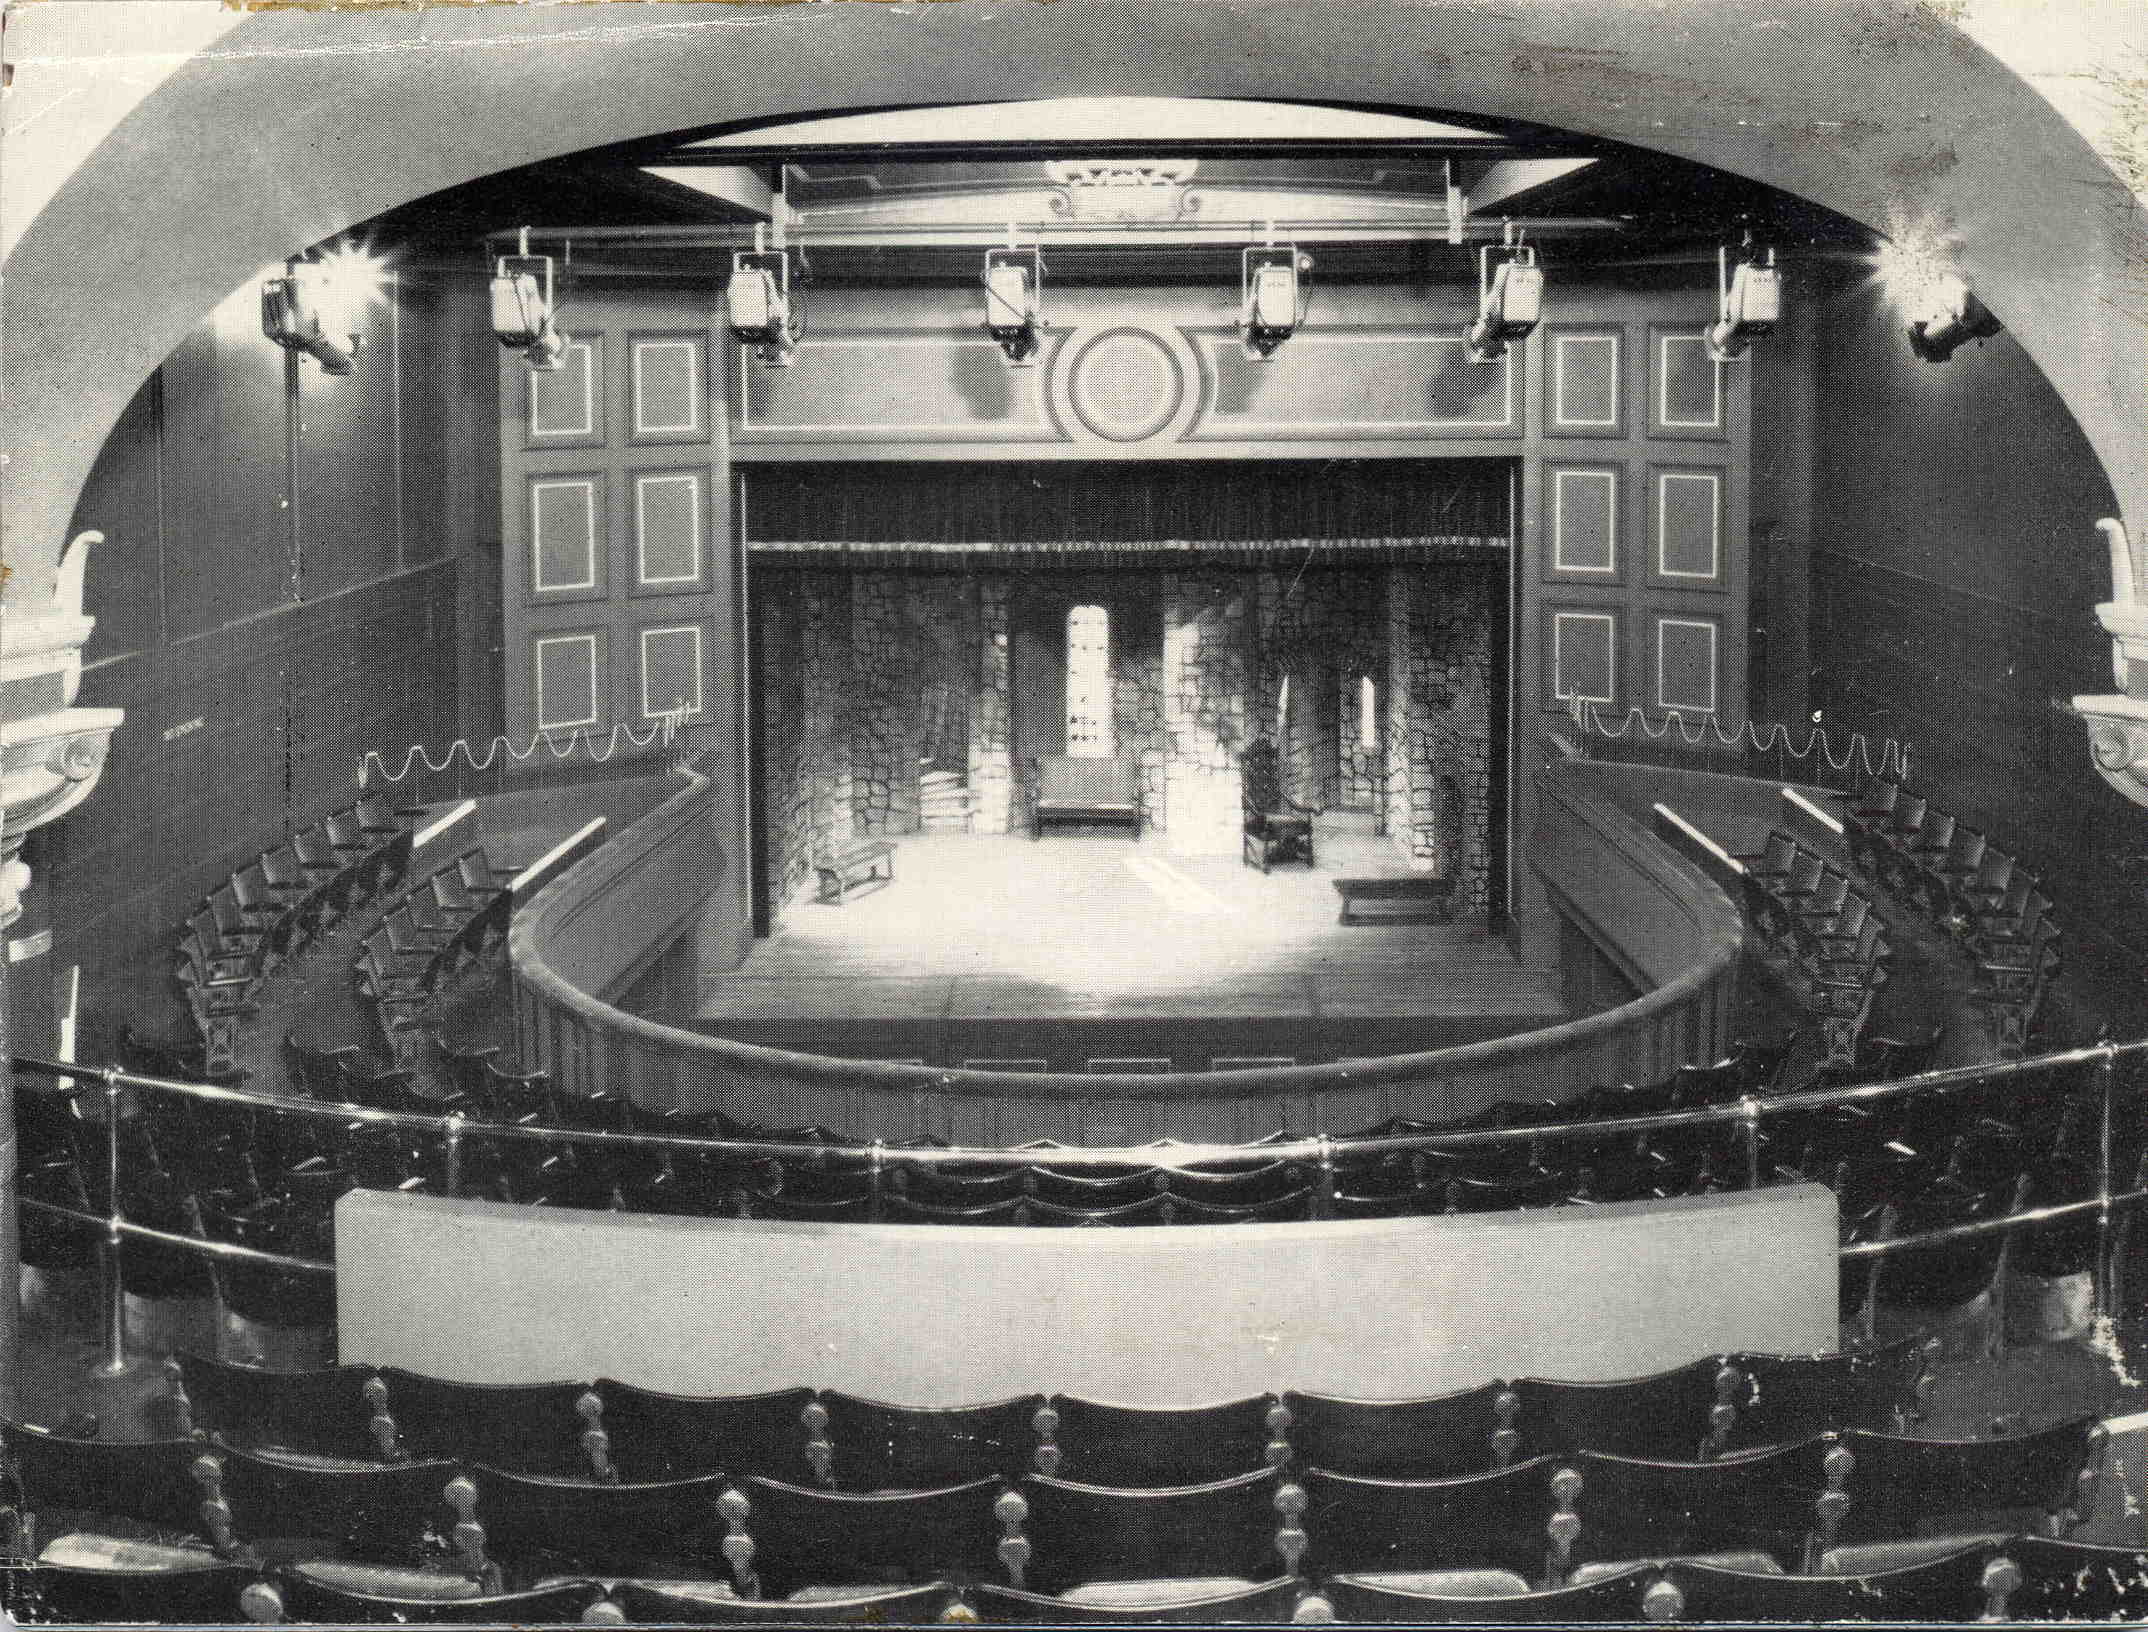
<point>316,306</point>
<point>758,304</point>
<point>1014,300</point>
<point>524,307</point>
<point>1749,302</point>
<point>1273,291</point>
<point>1510,300</point>
<point>1952,318</point>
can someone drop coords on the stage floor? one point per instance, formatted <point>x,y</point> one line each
<point>1076,928</point>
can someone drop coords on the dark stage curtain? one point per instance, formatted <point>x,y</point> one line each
<point>1224,501</point>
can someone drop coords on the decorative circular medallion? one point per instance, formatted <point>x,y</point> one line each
<point>1125,385</point>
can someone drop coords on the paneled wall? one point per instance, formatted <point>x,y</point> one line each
<point>1955,571</point>
<point>261,646</point>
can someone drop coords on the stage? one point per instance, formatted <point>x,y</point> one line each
<point>1074,949</point>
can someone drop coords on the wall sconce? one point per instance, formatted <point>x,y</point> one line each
<point>1273,291</point>
<point>1014,300</point>
<point>524,307</point>
<point>316,305</point>
<point>1954,317</point>
<point>758,303</point>
<point>1509,300</point>
<point>1749,302</point>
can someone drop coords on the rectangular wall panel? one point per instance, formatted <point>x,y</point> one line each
<point>667,529</point>
<point>564,407</point>
<point>1688,395</point>
<point>1689,525</point>
<point>567,671</point>
<point>566,539</point>
<point>887,387</point>
<point>489,1293</point>
<point>1686,665</point>
<point>668,400</point>
<point>1369,383</point>
<point>671,669</point>
<point>1586,399</point>
<point>1584,657</point>
<point>1584,522</point>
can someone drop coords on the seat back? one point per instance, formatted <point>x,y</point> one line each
<point>1952,1590</point>
<point>81,1596</point>
<point>2072,1581</point>
<point>1245,1528</point>
<point>1634,1595</point>
<point>817,1538</point>
<point>901,1606</point>
<point>387,1512</point>
<point>1260,777</point>
<point>1780,1502</point>
<point>554,1428</point>
<point>1901,1483</point>
<point>1067,779</point>
<point>1437,1438</point>
<point>296,1596</point>
<point>560,1526</point>
<point>1272,1603</point>
<point>674,1436</point>
<point>1785,1397</point>
<point>1099,1443</point>
<point>1499,1519</point>
<point>878,1446</point>
<point>323,1411</point>
<point>149,1480</point>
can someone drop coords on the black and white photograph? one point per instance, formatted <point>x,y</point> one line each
<point>1263,812</point>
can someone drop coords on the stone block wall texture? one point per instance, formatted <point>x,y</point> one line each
<point>850,665</point>
<point>991,720</point>
<point>1207,690</point>
<point>1438,724</point>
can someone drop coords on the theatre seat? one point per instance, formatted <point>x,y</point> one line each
<point>322,1412</point>
<point>201,1593</point>
<point>1785,1502</point>
<point>1268,1604</point>
<point>656,1435</point>
<point>280,1505</point>
<point>544,1428</point>
<point>683,1604</point>
<point>2073,1581</point>
<point>298,1598</point>
<point>1964,1584</point>
<point>1502,1520</point>
<point>1117,1547</point>
<point>874,1445</point>
<point>539,1527</point>
<point>1439,1437</point>
<point>784,1538</point>
<point>1100,1443</point>
<point>1487,1596</point>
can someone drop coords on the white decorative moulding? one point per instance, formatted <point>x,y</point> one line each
<point>51,753</point>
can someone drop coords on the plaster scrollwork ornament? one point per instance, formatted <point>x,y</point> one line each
<point>1123,189</point>
<point>51,752</point>
<point>2118,724</point>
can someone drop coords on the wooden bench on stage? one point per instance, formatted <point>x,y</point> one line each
<point>1074,789</point>
<point>858,864</point>
<point>1418,899</point>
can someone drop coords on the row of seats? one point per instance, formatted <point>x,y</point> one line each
<point>275,906</point>
<point>1825,939</point>
<point>1551,1522</point>
<point>2025,1579</point>
<point>445,923</point>
<point>609,1430</point>
<point>1983,896</point>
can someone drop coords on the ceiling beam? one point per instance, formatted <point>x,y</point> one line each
<point>743,186</point>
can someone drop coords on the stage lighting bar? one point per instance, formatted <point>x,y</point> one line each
<point>1749,303</point>
<point>1510,299</point>
<point>524,308</point>
<point>1014,300</point>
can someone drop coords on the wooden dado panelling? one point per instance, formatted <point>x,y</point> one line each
<point>618,567</point>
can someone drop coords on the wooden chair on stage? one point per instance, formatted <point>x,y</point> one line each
<point>1278,828</point>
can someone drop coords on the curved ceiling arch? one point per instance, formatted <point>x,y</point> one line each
<point>1878,111</point>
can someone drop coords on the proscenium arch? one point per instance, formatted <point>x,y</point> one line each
<point>296,125</point>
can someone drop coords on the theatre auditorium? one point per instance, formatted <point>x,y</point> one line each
<point>1131,811</point>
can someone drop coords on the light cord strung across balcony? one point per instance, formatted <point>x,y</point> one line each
<point>1768,738</point>
<point>663,730</point>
